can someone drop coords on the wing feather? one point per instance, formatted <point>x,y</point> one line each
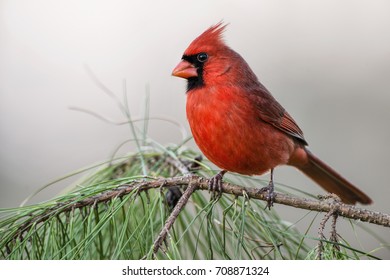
<point>270,111</point>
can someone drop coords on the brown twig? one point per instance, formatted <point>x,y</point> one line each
<point>321,235</point>
<point>343,210</point>
<point>174,214</point>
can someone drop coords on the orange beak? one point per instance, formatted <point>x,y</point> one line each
<point>184,70</point>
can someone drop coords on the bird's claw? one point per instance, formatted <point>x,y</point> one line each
<point>270,197</point>
<point>215,184</point>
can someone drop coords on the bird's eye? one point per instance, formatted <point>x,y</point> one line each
<point>202,57</point>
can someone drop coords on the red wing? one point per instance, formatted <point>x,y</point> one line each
<point>270,111</point>
<point>288,125</point>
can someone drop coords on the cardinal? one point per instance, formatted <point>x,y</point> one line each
<point>239,125</point>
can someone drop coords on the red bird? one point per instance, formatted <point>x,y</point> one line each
<point>239,125</point>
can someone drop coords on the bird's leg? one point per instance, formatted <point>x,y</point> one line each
<point>215,183</point>
<point>270,191</point>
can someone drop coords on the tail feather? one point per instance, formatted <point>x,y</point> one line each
<point>333,182</point>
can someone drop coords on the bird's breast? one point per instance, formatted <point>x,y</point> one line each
<point>228,130</point>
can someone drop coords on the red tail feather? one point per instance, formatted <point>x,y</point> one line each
<point>333,182</point>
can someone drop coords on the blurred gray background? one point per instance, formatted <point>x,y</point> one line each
<point>327,62</point>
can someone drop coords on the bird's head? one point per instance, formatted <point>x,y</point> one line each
<point>205,59</point>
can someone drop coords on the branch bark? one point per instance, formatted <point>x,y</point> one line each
<point>343,210</point>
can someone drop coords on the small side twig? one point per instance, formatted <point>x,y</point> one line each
<point>174,214</point>
<point>321,235</point>
<point>333,233</point>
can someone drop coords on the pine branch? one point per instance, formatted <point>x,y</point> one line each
<point>200,183</point>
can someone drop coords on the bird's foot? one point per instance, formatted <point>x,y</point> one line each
<point>270,197</point>
<point>215,184</point>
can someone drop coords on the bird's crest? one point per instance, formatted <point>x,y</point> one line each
<point>212,38</point>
